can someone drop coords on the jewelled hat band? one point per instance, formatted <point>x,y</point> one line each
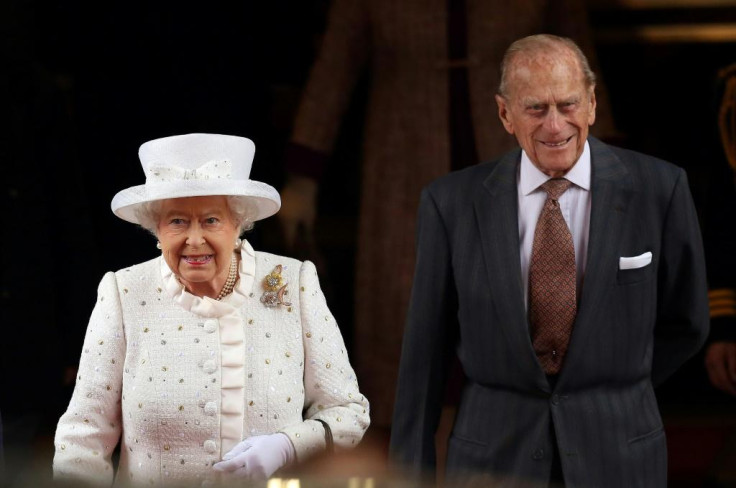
<point>210,170</point>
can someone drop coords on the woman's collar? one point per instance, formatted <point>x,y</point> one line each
<point>209,307</point>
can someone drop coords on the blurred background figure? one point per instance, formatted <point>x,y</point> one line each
<point>432,68</point>
<point>720,354</point>
<point>720,243</point>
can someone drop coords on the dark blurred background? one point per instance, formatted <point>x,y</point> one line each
<point>83,84</point>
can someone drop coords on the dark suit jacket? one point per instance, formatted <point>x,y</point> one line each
<point>633,328</point>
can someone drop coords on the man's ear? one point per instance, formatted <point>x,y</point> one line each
<point>591,116</point>
<point>503,113</point>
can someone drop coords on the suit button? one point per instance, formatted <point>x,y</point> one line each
<point>555,399</point>
<point>538,455</point>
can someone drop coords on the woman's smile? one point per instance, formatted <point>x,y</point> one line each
<point>198,260</point>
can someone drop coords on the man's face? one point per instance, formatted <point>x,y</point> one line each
<point>548,108</point>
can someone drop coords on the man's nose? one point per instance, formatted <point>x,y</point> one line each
<point>553,120</point>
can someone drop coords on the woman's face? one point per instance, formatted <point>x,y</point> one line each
<point>197,236</point>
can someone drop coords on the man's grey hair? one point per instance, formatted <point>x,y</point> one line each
<point>542,43</point>
<point>149,214</point>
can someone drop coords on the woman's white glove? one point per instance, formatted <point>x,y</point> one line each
<point>258,457</point>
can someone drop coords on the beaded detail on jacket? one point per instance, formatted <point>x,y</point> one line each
<point>180,379</point>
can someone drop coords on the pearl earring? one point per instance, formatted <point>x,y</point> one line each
<point>238,242</point>
<point>158,244</point>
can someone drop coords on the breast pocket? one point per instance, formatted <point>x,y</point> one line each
<point>635,269</point>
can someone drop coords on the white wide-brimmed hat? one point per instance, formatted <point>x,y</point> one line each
<point>195,165</point>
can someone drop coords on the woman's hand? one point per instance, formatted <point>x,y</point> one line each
<point>257,457</point>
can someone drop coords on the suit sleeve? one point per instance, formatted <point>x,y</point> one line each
<point>427,346</point>
<point>682,308</point>
<point>89,430</point>
<point>331,389</point>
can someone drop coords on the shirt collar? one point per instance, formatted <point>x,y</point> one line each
<point>530,177</point>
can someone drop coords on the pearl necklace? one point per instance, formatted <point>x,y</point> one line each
<point>232,277</point>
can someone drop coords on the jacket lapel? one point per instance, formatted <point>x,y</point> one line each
<point>496,211</point>
<point>611,191</point>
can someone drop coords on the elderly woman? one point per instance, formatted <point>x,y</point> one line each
<point>212,360</point>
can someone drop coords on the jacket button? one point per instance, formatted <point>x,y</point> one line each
<point>209,366</point>
<point>210,409</point>
<point>210,446</point>
<point>555,399</point>
<point>538,455</point>
<point>210,325</point>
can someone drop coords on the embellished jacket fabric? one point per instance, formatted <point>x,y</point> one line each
<point>179,380</point>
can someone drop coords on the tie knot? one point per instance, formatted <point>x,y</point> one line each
<point>556,187</point>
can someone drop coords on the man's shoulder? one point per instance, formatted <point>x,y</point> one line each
<point>642,166</point>
<point>473,177</point>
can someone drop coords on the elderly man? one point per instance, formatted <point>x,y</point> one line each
<point>569,278</point>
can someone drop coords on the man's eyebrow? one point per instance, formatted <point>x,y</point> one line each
<point>528,102</point>
<point>532,101</point>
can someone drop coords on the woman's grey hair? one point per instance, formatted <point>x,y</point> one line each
<point>149,214</point>
<point>541,43</point>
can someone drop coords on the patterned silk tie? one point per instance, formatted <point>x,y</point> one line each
<point>552,302</point>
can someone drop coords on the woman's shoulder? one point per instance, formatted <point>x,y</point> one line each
<point>139,271</point>
<point>267,263</point>
<point>269,259</point>
<point>131,282</point>
<point>140,277</point>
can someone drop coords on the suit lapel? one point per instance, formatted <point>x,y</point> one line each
<point>611,191</point>
<point>496,211</point>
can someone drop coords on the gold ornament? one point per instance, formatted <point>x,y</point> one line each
<point>275,288</point>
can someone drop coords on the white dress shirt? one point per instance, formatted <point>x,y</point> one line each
<point>574,204</point>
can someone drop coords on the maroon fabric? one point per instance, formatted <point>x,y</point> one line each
<point>305,161</point>
<point>552,302</point>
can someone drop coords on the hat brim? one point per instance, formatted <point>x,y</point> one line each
<point>263,199</point>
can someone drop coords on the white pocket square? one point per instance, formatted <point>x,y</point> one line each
<point>635,262</point>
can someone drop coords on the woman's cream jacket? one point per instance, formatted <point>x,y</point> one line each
<point>178,380</point>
